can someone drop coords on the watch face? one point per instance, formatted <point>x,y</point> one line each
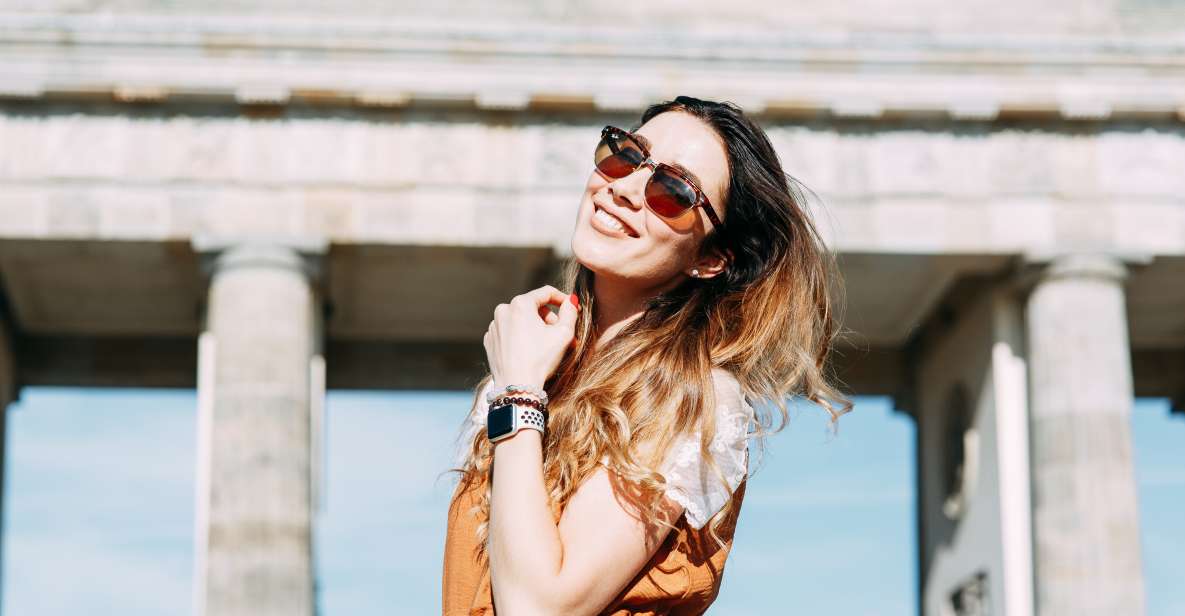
<point>500,420</point>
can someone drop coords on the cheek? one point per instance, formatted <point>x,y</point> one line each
<point>666,248</point>
<point>595,182</point>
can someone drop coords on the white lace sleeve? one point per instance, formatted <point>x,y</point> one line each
<point>476,421</point>
<point>690,481</point>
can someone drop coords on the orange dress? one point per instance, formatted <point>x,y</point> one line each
<point>682,578</point>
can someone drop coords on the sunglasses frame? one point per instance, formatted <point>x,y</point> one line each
<point>701,200</point>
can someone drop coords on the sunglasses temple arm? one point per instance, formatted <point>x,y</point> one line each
<point>711,214</point>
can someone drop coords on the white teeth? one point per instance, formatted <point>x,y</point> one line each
<point>610,220</point>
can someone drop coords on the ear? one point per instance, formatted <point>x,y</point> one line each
<point>711,265</point>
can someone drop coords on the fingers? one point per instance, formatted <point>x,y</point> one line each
<point>568,312</point>
<point>542,296</point>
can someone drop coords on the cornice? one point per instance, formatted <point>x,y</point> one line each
<point>516,66</point>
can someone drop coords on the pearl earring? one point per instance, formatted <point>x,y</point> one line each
<point>695,273</point>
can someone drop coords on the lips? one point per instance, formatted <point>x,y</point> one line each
<point>628,229</point>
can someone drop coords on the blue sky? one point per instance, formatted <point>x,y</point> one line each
<point>99,507</point>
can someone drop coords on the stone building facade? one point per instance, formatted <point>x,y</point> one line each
<point>263,200</point>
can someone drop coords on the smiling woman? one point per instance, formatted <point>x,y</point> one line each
<point>699,284</point>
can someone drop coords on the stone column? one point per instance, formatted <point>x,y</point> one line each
<point>1085,513</point>
<point>255,491</point>
<point>8,395</point>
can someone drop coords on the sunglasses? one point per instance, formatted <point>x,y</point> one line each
<point>670,193</point>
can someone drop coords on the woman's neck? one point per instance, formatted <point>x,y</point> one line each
<point>617,305</point>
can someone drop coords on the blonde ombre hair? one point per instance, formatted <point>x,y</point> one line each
<point>768,319</point>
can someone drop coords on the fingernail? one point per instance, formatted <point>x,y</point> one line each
<point>575,300</point>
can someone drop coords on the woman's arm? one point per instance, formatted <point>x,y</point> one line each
<point>524,543</point>
<point>577,567</point>
<point>537,567</point>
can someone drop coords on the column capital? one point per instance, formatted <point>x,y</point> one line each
<point>1080,265</point>
<point>1035,269</point>
<point>300,254</point>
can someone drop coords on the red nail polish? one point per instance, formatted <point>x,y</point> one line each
<point>575,300</point>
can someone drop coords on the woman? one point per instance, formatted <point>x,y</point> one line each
<point>699,281</point>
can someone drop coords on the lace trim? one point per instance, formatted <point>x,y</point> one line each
<point>691,483</point>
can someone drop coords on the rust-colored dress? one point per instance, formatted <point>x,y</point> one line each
<point>684,576</point>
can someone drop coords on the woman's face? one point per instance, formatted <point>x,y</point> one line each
<point>653,251</point>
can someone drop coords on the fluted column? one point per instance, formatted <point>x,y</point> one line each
<point>1085,513</point>
<point>257,366</point>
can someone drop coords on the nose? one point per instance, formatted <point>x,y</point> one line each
<point>632,188</point>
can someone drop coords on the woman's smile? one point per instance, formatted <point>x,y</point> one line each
<point>608,224</point>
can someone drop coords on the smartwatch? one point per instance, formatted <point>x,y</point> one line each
<point>505,420</point>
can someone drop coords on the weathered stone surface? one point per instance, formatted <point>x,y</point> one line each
<point>357,181</point>
<point>1085,512</point>
<point>262,314</point>
<point>874,62</point>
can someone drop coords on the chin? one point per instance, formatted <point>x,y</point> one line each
<point>591,257</point>
<point>591,251</point>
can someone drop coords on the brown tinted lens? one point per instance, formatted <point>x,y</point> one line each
<point>617,156</point>
<point>669,195</point>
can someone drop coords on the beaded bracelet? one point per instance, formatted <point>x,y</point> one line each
<point>539,405</point>
<point>536,391</point>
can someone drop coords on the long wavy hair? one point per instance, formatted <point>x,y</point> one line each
<point>769,319</point>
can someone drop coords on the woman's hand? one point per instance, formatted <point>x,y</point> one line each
<point>525,341</point>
